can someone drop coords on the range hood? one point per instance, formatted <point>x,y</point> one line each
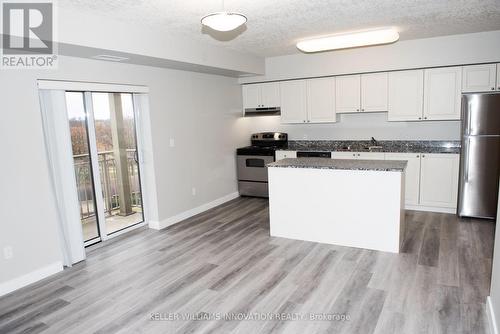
<point>269,111</point>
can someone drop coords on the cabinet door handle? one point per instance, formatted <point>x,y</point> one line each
<point>420,118</point>
<point>357,109</point>
<point>363,109</point>
<point>418,156</point>
<point>423,155</point>
<point>492,88</point>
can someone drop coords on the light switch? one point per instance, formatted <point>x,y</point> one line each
<point>8,253</point>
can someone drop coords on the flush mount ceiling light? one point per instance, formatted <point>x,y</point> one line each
<point>349,40</point>
<point>223,20</point>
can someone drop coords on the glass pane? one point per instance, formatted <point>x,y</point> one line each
<point>117,152</point>
<point>81,158</point>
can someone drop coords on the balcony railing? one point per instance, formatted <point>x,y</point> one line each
<point>109,182</point>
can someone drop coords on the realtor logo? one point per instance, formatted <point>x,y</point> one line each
<point>28,35</point>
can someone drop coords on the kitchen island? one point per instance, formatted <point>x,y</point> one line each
<point>355,203</point>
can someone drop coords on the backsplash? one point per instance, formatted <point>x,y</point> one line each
<point>430,146</point>
<point>357,127</point>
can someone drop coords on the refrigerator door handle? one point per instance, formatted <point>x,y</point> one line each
<point>466,161</point>
<point>469,118</point>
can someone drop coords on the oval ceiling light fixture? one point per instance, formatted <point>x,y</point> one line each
<point>349,40</point>
<point>224,21</point>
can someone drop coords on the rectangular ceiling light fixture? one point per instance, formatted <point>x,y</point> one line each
<point>109,58</point>
<point>349,40</point>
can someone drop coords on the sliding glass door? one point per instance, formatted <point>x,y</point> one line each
<point>103,138</point>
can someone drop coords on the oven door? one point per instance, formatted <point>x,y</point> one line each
<point>253,167</point>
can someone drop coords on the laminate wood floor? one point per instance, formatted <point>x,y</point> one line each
<point>224,263</point>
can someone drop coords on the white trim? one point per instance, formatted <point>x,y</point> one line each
<point>94,165</point>
<point>430,209</point>
<point>490,311</point>
<point>125,230</point>
<point>146,157</point>
<point>91,86</point>
<point>193,212</point>
<point>30,278</point>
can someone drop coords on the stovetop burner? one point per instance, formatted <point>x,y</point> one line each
<point>264,143</point>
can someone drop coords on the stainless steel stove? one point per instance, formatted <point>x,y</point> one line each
<point>252,161</point>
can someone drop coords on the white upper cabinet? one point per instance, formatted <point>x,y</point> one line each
<point>479,78</point>
<point>293,101</point>
<point>264,95</point>
<point>321,100</point>
<point>412,175</point>
<point>406,95</point>
<point>442,93</point>
<point>361,93</point>
<point>270,94</point>
<point>348,94</point>
<point>374,92</point>
<point>251,96</point>
<point>439,180</point>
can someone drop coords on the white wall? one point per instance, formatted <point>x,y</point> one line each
<point>430,52</point>
<point>494,298</point>
<point>439,51</point>
<point>102,32</point>
<point>200,111</point>
<point>358,127</point>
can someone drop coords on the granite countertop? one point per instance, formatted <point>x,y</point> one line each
<point>395,146</point>
<point>344,164</point>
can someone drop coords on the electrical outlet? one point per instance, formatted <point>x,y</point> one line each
<point>193,191</point>
<point>172,142</point>
<point>8,252</point>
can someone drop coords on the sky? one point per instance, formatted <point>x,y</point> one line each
<point>100,103</point>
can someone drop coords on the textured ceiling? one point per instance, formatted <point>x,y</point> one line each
<point>274,26</point>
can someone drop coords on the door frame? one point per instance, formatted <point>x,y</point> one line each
<point>143,142</point>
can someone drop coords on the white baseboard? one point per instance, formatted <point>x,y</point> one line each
<point>430,209</point>
<point>193,212</point>
<point>29,278</point>
<point>491,316</point>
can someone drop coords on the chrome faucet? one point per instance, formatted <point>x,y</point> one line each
<point>374,142</point>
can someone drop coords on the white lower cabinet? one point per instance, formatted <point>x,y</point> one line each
<point>371,155</point>
<point>359,155</point>
<point>439,180</point>
<point>431,179</point>
<point>343,155</point>
<point>285,154</point>
<point>412,175</point>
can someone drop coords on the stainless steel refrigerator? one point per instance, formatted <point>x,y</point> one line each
<point>480,158</point>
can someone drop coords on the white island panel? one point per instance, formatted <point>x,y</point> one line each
<point>355,208</point>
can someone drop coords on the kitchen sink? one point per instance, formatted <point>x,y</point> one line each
<point>374,148</point>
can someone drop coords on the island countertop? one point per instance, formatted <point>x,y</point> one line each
<point>342,164</point>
